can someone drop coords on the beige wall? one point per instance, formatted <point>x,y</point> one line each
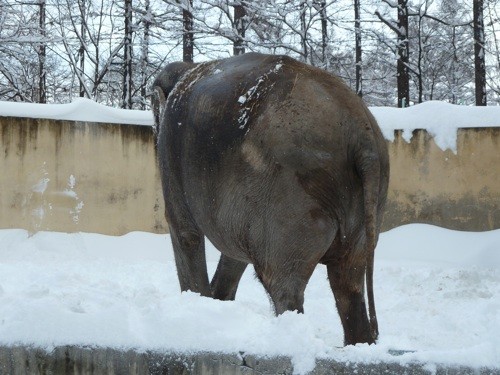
<point>114,188</point>
<point>458,191</point>
<point>96,177</point>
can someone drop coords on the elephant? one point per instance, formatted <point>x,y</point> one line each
<point>279,164</point>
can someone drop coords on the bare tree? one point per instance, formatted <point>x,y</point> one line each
<point>68,33</point>
<point>127,56</point>
<point>55,50</point>
<point>23,57</point>
<point>188,31</point>
<point>239,21</point>
<point>403,51</point>
<point>358,47</point>
<point>421,45</point>
<point>493,7</point>
<point>146,24</point>
<point>42,55</point>
<point>186,8</point>
<point>83,47</point>
<point>304,30</point>
<point>479,52</point>
<point>320,5</point>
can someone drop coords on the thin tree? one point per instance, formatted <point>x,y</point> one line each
<point>403,49</point>
<point>359,51</point>
<point>82,49</point>
<point>494,17</point>
<point>42,55</point>
<point>403,78</point>
<point>187,33</point>
<point>320,6</point>
<point>479,52</point>
<point>239,25</point>
<point>127,57</point>
<point>146,22</point>
<point>303,30</point>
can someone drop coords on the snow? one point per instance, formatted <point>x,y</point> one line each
<point>41,185</point>
<point>188,79</point>
<point>440,119</point>
<point>80,109</point>
<point>254,93</point>
<point>437,293</point>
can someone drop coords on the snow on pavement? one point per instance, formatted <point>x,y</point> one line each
<point>437,293</point>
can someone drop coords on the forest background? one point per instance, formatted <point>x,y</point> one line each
<point>391,52</point>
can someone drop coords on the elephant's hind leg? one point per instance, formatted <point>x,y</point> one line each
<point>347,282</point>
<point>190,260</point>
<point>227,277</point>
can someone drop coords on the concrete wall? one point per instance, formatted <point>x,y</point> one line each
<point>457,191</point>
<point>78,176</point>
<point>96,177</point>
<point>98,361</point>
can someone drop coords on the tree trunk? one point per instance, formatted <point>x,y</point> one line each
<point>42,55</point>
<point>453,70</point>
<point>239,26</point>
<point>81,50</point>
<point>420,74</point>
<point>187,35</point>
<point>359,51</point>
<point>145,53</point>
<point>403,76</point>
<point>127,57</point>
<point>479,56</point>
<point>320,6</point>
<point>303,30</point>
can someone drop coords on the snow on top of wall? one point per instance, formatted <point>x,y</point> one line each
<point>440,119</point>
<point>80,109</point>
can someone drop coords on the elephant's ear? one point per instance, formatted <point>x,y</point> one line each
<point>157,103</point>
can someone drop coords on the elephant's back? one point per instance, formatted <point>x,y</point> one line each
<point>217,105</point>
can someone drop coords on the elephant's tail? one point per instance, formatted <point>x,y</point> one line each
<point>369,168</point>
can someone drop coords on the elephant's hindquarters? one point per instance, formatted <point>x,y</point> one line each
<point>258,211</point>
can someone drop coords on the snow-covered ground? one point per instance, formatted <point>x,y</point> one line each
<point>437,293</point>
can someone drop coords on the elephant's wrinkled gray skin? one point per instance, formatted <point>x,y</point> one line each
<point>280,165</point>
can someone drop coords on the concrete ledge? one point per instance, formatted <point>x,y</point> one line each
<point>90,361</point>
